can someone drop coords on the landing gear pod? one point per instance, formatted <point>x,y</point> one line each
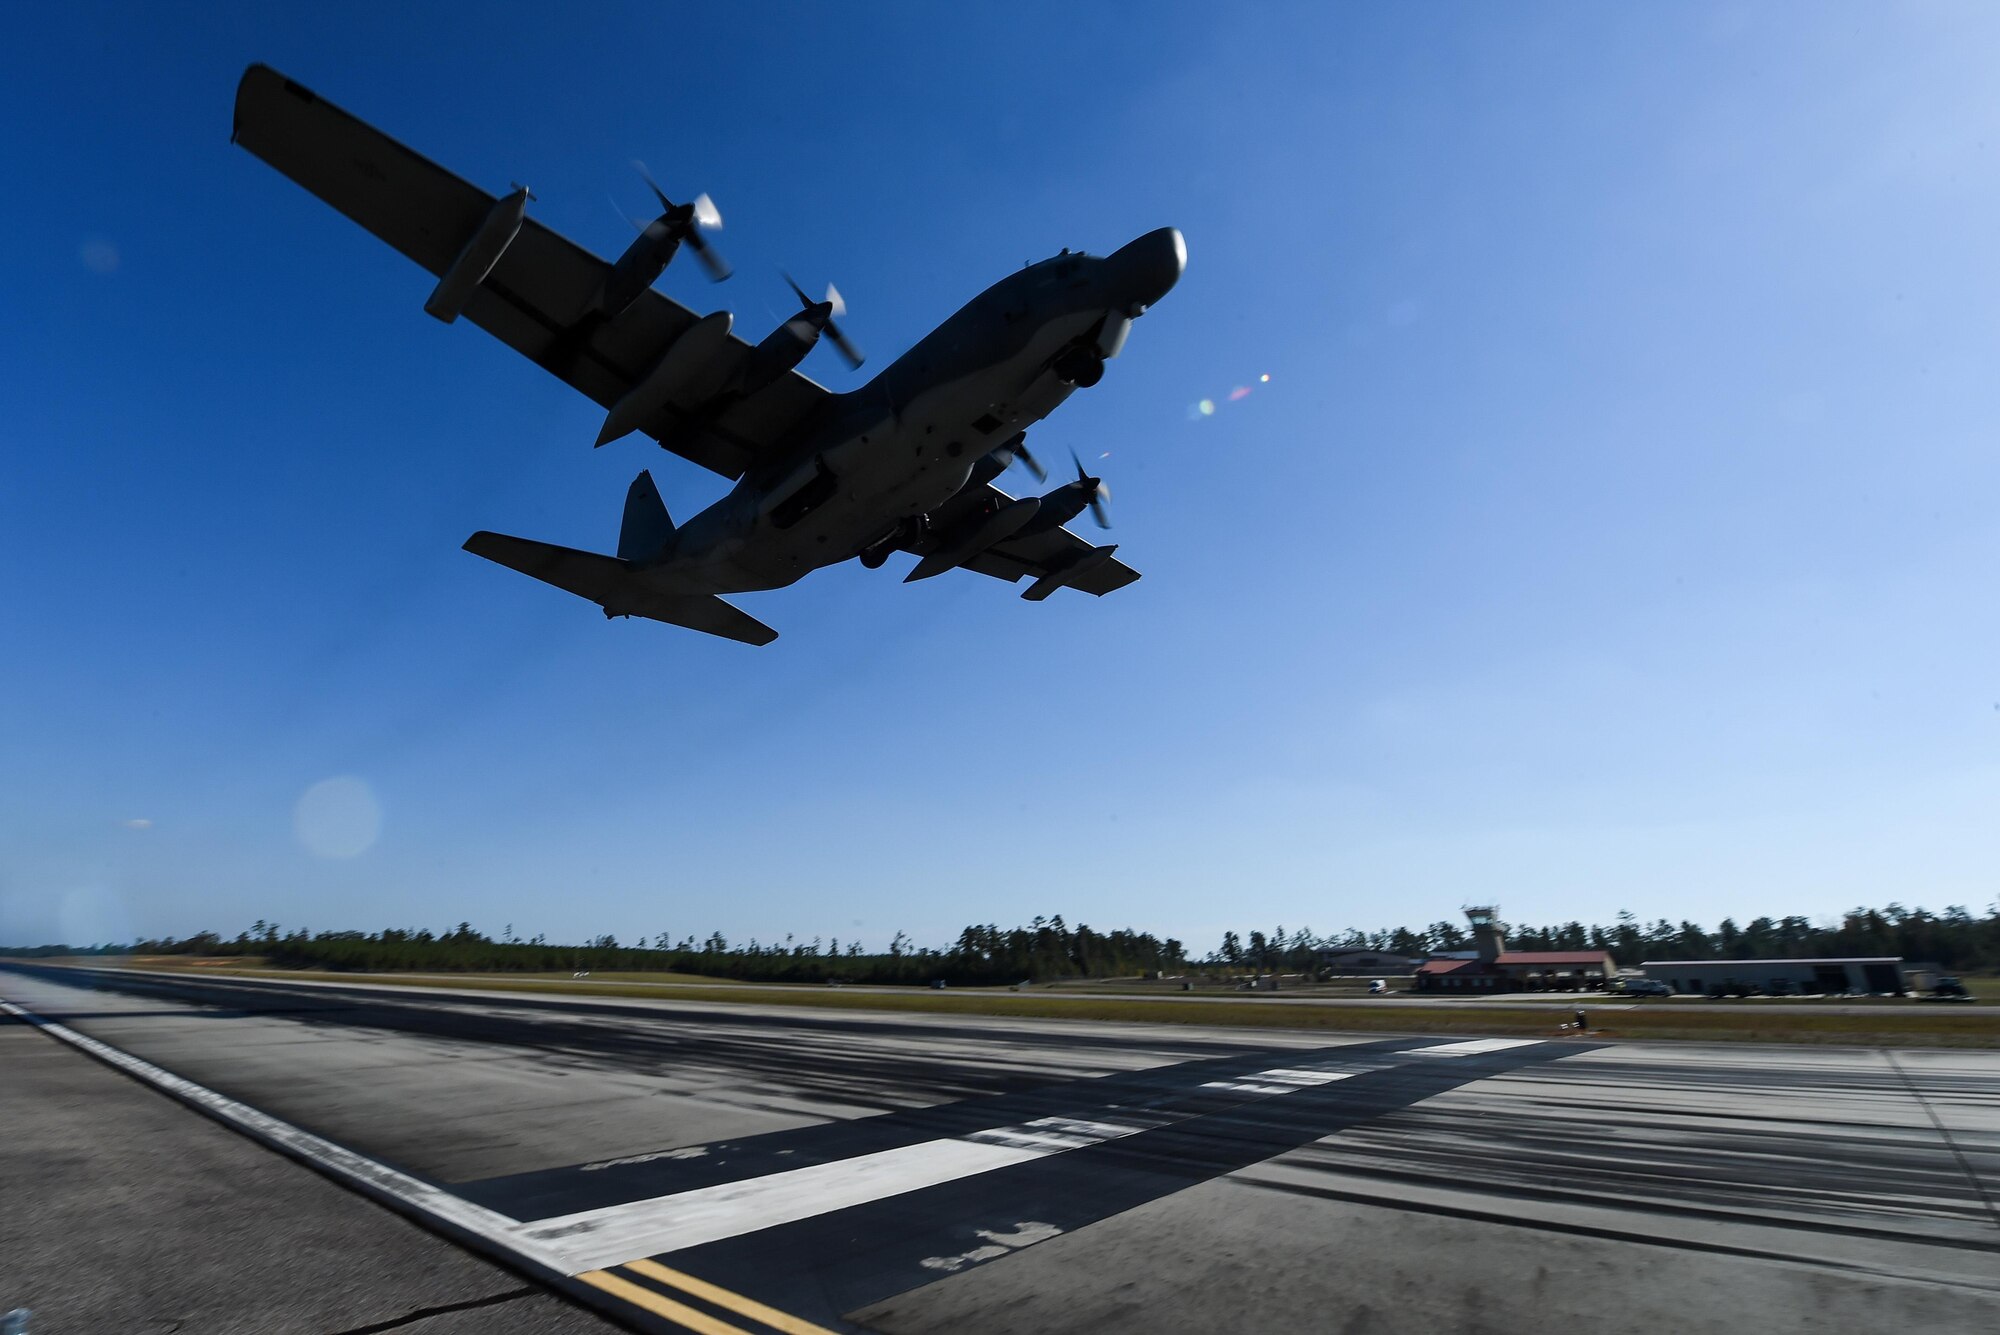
<point>481,252</point>
<point>1002,524</point>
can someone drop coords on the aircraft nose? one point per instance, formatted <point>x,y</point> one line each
<point>1149,267</point>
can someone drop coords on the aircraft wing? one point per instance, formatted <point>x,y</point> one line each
<point>534,299</point>
<point>1039,554</point>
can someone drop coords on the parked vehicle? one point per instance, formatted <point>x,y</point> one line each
<point>1947,988</point>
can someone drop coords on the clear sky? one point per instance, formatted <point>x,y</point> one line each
<point>1618,528</point>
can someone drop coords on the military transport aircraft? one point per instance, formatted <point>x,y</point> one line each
<point>904,463</point>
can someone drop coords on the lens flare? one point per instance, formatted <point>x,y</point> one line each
<point>99,256</point>
<point>338,818</point>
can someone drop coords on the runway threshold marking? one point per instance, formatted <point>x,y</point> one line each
<point>1472,1047</point>
<point>613,1234</point>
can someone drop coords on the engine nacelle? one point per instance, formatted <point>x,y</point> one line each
<point>482,250</point>
<point>688,372</point>
<point>782,349</point>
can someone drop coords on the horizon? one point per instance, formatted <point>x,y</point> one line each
<point>1891,915</point>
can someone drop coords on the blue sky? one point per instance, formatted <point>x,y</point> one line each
<point>1617,528</point>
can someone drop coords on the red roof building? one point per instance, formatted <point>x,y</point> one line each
<point>1498,969</point>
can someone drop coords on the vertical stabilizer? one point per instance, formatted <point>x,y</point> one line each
<point>648,530</point>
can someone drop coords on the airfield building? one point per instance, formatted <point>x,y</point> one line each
<point>1722,978</point>
<point>1491,967</point>
<point>1342,961</point>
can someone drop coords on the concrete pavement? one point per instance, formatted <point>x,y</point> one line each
<point>895,1172</point>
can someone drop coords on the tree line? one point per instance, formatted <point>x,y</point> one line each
<point>1954,938</point>
<point>1049,948</point>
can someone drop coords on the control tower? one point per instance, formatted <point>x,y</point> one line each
<point>1489,934</point>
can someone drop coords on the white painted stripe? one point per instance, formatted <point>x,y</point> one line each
<point>334,1160</point>
<point>1471,1046</point>
<point>1285,1076</point>
<point>1056,1134</point>
<point>614,1234</point>
<point>1286,1079</point>
<point>595,1239</point>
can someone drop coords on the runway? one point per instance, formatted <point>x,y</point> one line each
<point>729,1167</point>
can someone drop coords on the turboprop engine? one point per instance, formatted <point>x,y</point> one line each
<point>657,244</point>
<point>787,345</point>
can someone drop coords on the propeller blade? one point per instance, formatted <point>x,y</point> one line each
<point>849,353</point>
<point>833,300</point>
<point>797,291</point>
<point>706,214</point>
<point>1099,492</point>
<point>638,224</point>
<point>1029,461</point>
<point>711,260</point>
<point>659,194</point>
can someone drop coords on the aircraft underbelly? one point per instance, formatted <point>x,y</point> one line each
<point>907,462</point>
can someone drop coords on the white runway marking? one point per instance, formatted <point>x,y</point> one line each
<point>1025,1234</point>
<point>1283,1080</point>
<point>1472,1046</point>
<point>594,1239</point>
<point>612,1234</point>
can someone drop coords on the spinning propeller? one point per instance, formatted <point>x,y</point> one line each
<point>687,222</point>
<point>821,315</point>
<point>1016,451</point>
<point>1099,493</point>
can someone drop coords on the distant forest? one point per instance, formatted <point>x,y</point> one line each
<point>1048,948</point>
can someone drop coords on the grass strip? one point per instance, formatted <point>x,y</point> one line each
<point>1918,1026</point>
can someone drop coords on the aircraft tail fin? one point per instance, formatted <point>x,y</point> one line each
<point>614,584</point>
<point>648,530</point>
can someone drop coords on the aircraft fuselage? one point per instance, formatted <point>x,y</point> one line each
<point>903,444</point>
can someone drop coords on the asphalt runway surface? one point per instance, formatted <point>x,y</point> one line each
<point>724,1167</point>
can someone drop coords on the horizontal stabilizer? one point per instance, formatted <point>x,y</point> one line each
<point>619,589</point>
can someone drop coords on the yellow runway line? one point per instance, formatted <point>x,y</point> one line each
<point>659,1304</point>
<point>722,1297</point>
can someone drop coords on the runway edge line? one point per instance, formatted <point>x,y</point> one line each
<point>487,1232</point>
